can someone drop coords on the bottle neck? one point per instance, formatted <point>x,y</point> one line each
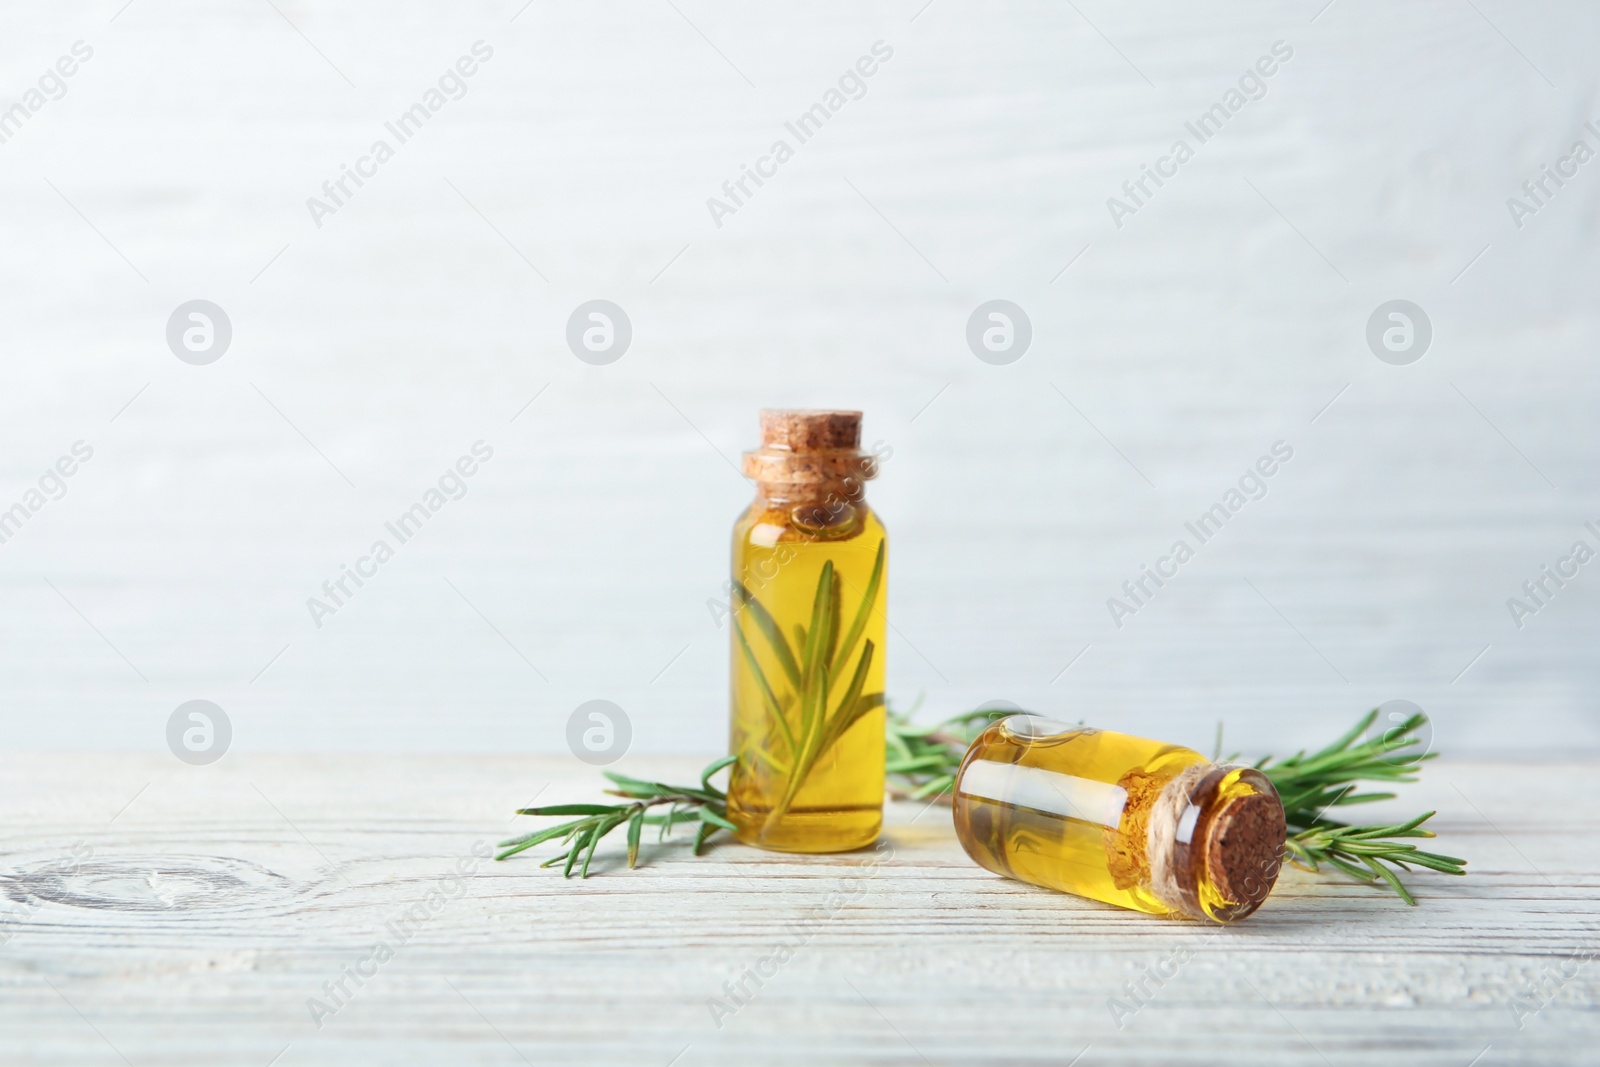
<point>820,507</point>
<point>1216,841</point>
<point>821,491</point>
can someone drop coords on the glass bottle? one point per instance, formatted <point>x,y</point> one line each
<point>1140,824</point>
<point>809,590</point>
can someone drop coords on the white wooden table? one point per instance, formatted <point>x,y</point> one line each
<point>160,914</point>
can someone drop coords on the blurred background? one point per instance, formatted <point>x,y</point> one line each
<point>1174,337</point>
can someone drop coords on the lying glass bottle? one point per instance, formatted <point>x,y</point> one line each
<point>1136,823</point>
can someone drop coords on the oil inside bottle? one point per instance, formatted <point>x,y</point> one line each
<point>1071,808</point>
<point>807,722</point>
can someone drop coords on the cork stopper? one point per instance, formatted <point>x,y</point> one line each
<point>1244,850</point>
<point>803,451</point>
<point>1216,841</point>
<point>800,430</point>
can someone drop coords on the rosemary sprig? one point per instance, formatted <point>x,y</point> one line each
<point>706,805</point>
<point>1310,785</point>
<point>923,760</point>
<point>812,675</point>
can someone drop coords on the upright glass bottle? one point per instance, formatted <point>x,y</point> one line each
<point>810,583</point>
<point>1136,823</point>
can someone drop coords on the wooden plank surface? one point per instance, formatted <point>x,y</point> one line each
<point>158,914</point>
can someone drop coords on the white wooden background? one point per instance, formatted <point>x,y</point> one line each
<point>209,904</point>
<point>408,327</point>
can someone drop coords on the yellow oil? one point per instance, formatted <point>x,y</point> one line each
<point>807,781</point>
<point>1065,807</point>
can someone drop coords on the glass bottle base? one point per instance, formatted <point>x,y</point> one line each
<point>811,829</point>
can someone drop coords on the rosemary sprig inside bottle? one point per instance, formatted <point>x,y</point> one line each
<point>923,760</point>
<point>807,705</point>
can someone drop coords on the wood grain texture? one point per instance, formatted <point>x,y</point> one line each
<point>158,914</point>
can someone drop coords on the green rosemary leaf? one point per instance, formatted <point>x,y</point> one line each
<point>670,820</point>
<point>521,846</point>
<point>850,708</point>
<point>713,768</point>
<point>1435,862</point>
<point>774,709</point>
<point>637,788</point>
<point>813,710</point>
<point>715,819</point>
<point>769,629</point>
<point>936,750</point>
<point>817,632</point>
<point>1364,798</point>
<point>644,790</point>
<point>834,612</point>
<point>569,809</point>
<point>577,847</point>
<point>664,821</point>
<point>897,751</point>
<point>600,831</point>
<point>847,646</point>
<point>1371,848</point>
<point>526,841</point>
<point>810,710</point>
<point>517,844</point>
<point>1353,871</point>
<point>1355,731</point>
<point>910,765</point>
<point>705,831</point>
<point>635,828</point>
<point>1345,847</point>
<point>757,753</point>
<point>1405,829</point>
<point>816,719</point>
<point>1388,876</point>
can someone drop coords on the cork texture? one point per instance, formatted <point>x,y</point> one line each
<point>1244,849</point>
<point>801,448</point>
<point>803,430</point>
